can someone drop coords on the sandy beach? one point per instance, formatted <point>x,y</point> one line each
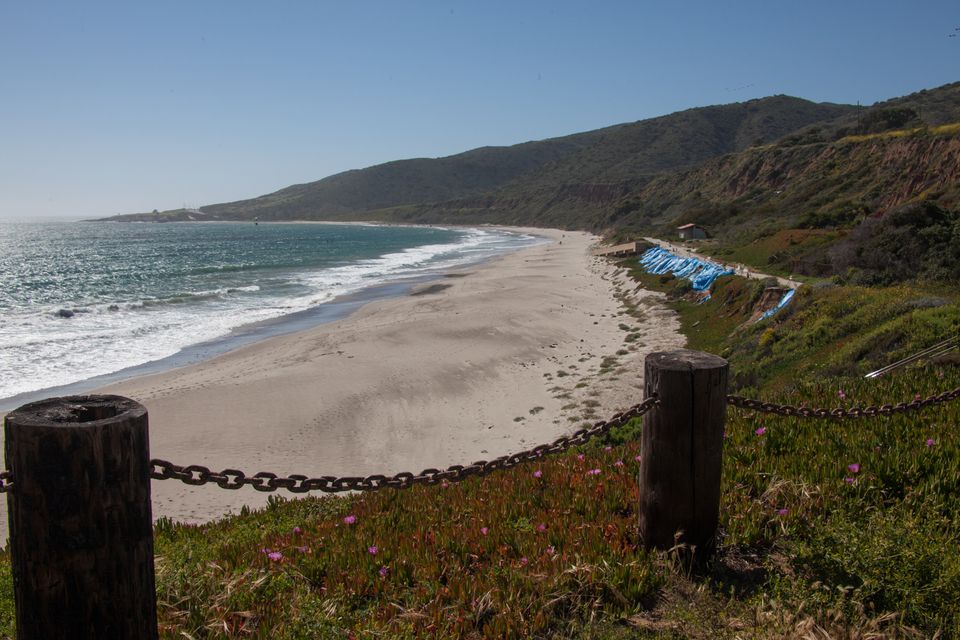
<point>485,361</point>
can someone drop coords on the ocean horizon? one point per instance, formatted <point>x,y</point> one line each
<point>83,304</point>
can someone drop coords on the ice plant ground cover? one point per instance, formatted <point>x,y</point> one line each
<point>555,553</point>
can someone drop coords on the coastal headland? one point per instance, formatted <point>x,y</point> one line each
<point>491,359</point>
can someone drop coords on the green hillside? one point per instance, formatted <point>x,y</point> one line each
<point>823,168</point>
<point>627,154</point>
<point>632,153</point>
<point>402,182</point>
<point>930,107</point>
<point>814,185</point>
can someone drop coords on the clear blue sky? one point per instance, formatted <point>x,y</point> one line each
<point>129,106</point>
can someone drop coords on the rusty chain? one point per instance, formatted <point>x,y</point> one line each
<point>234,479</point>
<point>264,481</point>
<point>841,413</point>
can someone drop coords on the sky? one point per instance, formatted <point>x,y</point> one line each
<point>122,107</point>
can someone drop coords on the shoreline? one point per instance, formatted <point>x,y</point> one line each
<point>504,356</point>
<point>250,333</point>
<point>239,337</point>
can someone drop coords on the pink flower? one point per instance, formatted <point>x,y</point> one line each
<point>931,442</point>
<point>593,472</point>
<point>264,550</point>
<point>372,550</point>
<point>760,431</point>
<point>580,457</point>
<point>618,463</point>
<point>608,448</point>
<point>854,468</point>
<point>276,556</point>
<point>841,394</point>
<point>383,571</point>
<point>524,560</point>
<point>551,550</point>
<point>350,519</point>
<point>782,512</point>
<point>541,527</point>
<point>484,530</point>
<point>303,549</point>
<point>637,458</point>
<point>849,480</point>
<point>296,531</point>
<point>444,484</point>
<point>537,473</point>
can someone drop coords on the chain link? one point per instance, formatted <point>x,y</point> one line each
<point>234,479</point>
<point>196,474</point>
<point>841,413</point>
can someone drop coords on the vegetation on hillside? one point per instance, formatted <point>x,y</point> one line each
<point>928,107</point>
<point>826,330</point>
<point>782,186</point>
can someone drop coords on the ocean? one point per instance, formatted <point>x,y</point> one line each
<point>95,301</point>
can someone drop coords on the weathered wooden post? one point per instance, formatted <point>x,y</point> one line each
<point>81,534</point>
<point>681,450</point>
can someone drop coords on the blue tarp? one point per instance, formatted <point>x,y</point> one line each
<point>780,305</point>
<point>701,273</point>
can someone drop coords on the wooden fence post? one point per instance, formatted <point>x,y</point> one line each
<point>81,533</point>
<point>682,449</point>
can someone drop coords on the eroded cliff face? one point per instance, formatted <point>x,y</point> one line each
<point>786,182</point>
<point>778,185</point>
<point>924,167</point>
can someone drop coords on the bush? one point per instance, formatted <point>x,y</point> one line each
<point>886,119</point>
<point>919,240</point>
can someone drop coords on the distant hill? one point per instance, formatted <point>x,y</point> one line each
<point>929,107</point>
<point>623,155</point>
<point>634,152</point>
<point>402,182</point>
<point>806,188</point>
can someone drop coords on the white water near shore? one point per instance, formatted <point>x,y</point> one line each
<point>87,300</point>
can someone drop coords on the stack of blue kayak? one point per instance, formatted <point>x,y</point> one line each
<point>700,273</point>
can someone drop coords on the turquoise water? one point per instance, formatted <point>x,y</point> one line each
<point>79,300</point>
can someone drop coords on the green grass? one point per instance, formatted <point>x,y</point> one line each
<point>778,252</point>
<point>946,129</point>
<point>841,330</point>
